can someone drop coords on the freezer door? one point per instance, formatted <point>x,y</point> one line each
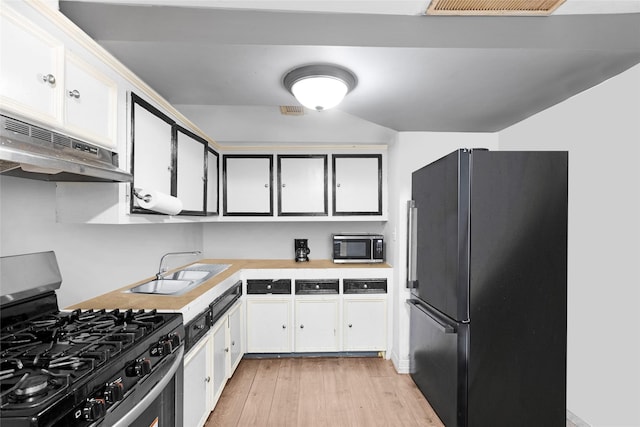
<point>439,240</point>
<point>438,362</point>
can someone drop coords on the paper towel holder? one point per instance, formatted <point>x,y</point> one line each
<point>151,200</point>
<point>137,193</point>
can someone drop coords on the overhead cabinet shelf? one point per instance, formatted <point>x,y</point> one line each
<point>302,186</point>
<point>172,160</point>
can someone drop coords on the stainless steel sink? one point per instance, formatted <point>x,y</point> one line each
<point>162,286</point>
<point>181,281</point>
<point>188,275</point>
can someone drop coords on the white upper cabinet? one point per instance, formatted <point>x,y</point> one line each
<point>32,69</point>
<point>247,185</point>
<point>302,185</point>
<point>152,145</point>
<point>190,173</point>
<point>172,160</point>
<point>43,82</point>
<point>90,102</point>
<point>357,184</point>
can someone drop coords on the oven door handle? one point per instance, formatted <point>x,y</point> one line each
<point>141,406</point>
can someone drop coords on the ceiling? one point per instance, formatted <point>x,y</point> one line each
<point>415,72</point>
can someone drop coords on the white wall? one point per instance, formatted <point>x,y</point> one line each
<point>601,130</point>
<point>93,259</point>
<point>255,240</point>
<point>410,152</point>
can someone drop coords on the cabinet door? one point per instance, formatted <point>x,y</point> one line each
<point>268,328</point>
<point>152,149</point>
<point>90,102</point>
<point>247,185</point>
<point>235,336</point>
<point>190,171</point>
<point>302,185</point>
<point>31,75</point>
<point>197,380</point>
<point>316,325</point>
<point>365,325</point>
<point>212,182</point>
<point>220,359</point>
<point>357,184</point>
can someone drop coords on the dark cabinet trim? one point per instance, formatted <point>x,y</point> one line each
<point>174,178</point>
<point>206,187</point>
<point>379,182</point>
<point>224,184</point>
<point>326,184</point>
<point>136,100</point>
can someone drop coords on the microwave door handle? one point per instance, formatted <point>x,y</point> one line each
<point>412,244</point>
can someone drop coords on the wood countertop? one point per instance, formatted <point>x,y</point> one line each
<point>123,300</point>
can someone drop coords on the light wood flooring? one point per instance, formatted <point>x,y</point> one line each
<point>321,392</point>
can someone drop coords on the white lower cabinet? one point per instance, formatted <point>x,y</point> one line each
<point>227,350</point>
<point>209,364</point>
<point>268,325</point>
<point>220,355</point>
<point>235,335</point>
<point>281,323</point>
<point>365,324</point>
<point>316,324</point>
<point>197,380</point>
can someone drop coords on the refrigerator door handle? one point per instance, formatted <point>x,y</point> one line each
<point>444,327</point>
<point>412,244</point>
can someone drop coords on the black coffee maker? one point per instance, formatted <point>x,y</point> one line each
<point>301,250</point>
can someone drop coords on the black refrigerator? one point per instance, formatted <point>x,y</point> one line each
<point>488,276</point>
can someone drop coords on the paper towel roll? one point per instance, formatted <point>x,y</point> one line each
<point>159,202</point>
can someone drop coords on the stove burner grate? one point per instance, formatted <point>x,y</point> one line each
<point>26,390</point>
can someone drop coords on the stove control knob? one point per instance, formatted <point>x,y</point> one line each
<point>139,368</point>
<point>175,340</point>
<point>94,409</point>
<point>114,392</point>
<point>167,346</point>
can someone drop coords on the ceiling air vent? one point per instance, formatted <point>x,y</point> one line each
<point>291,110</point>
<point>493,7</point>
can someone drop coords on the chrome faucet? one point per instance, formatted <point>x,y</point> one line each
<point>162,269</point>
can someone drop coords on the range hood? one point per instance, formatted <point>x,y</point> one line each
<point>31,151</point>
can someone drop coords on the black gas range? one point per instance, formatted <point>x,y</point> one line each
<point>85,367</point>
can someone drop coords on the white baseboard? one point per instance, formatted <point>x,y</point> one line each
<point>402,366</point>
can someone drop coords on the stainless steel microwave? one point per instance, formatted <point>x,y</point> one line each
<point>358,248</point>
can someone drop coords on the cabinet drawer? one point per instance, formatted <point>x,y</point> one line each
<point>196,329</point>
<point>268,286</point>
<point>365,286</point>
<point>317,287</point>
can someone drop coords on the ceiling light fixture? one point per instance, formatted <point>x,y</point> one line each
<point>319,86</point>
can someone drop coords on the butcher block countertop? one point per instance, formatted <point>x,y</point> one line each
<point>123,300</point>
